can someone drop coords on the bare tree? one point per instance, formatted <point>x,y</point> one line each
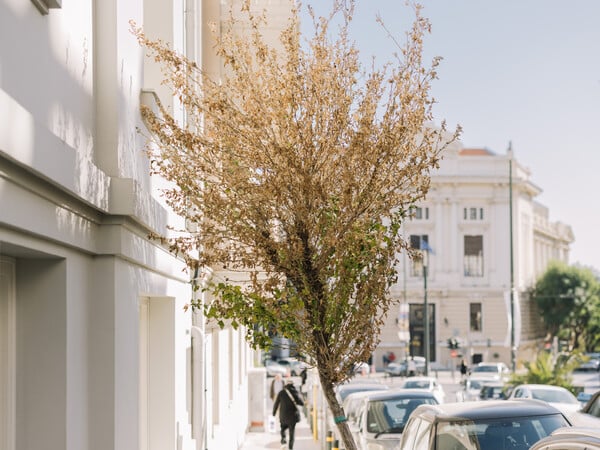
<point>299,166</point>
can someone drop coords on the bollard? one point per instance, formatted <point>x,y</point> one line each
<point>336,445</point>
<point>329,440</point>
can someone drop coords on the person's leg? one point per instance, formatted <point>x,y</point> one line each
<point>283,428</point>
<point>292,432</point>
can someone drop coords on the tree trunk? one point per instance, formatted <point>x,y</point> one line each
<point>337,411</point>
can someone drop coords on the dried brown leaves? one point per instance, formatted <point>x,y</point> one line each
<point>298,165</point>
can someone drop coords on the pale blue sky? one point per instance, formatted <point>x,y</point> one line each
<point>526,71</point>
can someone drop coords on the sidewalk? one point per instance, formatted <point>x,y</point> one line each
<point>265,440</point>
<point>261,440</point>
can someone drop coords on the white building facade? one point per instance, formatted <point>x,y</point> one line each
<point>466,221</point>
<point>96,349</point>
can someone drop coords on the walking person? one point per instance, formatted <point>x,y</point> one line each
<point>412,367</point>
<point>289,415</point>
<point>463,368</point>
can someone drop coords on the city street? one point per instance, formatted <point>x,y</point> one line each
<point>450,382</point>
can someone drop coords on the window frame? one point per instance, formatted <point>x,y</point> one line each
<point>473,213</point>
<point>479,321</point>
<point>473,264</point>
<point>421,213</point>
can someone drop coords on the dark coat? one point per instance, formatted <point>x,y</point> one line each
<point>287,407</point>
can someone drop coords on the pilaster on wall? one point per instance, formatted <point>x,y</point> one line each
<point>7,353</point>
<point>117,82</point>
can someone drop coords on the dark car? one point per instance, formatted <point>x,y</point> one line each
<point>493,391</point>
<point>491,425</point>
<point>570,438</point>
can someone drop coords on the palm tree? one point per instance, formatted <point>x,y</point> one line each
<point>550,369</point>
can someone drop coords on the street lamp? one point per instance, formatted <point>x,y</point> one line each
<point>513,348</point>
<point>426,307</point>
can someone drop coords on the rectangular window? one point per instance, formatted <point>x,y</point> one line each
<point>419,213</point>
<point>473,256</point>
<point>416,242</point>
<point>475,316</point>
<point>472,213</point>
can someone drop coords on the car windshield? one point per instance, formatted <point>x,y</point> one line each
<point>552,396</point>
<point>514,434</point>
<point>390,416</point>
<point>474,384</point>
<point>421,384</point>
<point>485,369</point>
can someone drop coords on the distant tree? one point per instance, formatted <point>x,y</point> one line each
<point>569,300</point>
<point>549,369</point>
<point>299,167</point>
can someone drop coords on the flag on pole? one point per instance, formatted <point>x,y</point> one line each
<point>425,246</point>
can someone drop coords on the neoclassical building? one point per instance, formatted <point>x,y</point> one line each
<point>466,221</point>
<point>96,349</point>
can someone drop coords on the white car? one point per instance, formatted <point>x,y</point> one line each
<point>383,415</point>
<point>400,368</point>
<point>351,407</point>
<point>495,371</point>
<point>589,415</point>
<point>427,383</point>
<point>295,366</point>
<point>274,368</point>
<point>557,396</point>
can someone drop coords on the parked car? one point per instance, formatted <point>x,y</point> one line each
<point>491,425</point>
<point>293,365</point>
<point>428,383</point>
<point>557,396</point>
<point>400,368</point>
<point>361,368</point>
<point>570,438</point>
<point>493,390</point>
<point>274,368</point>
<point>584,397</point>
<point>589,415</point>
<point>343,390</point>
<point>471,389</point>
<point>351,406</point>
<point>383,415</point>
<point>496,371</point>
<point>592,363</point>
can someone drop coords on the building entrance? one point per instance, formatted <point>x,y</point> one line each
<point>417,330</point>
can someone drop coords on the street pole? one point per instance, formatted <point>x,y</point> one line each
<point>426,312</point>
<point>513,350</point>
